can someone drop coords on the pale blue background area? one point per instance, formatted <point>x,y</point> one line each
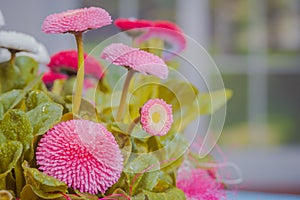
<point>259,196</point>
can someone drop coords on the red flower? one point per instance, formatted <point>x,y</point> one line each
<point>131,23</point>
<point>68,60</point>
<point>50,76</point>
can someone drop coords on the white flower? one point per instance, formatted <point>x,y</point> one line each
<point>18,41</point>
<point>41,56</point>
<point>2,21</point>
<point>4,55</point>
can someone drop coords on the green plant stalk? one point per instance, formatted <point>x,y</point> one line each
<point>3,182</point>
<point>122,104</point>
<point>133,124</point>
<point>12,57</point>
<point>19,177</point>
<point>80,73</point>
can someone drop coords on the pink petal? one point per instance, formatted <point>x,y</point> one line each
<point>175,40</point>
<point>163,126</point>
<point>82,154</point>
<point>78,20</point>
<point>136,59</point>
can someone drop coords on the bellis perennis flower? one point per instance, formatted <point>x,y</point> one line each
<point>131,23</point>
<point>199,184</point>
<point>49,77</point>
<point>78,20</point>
<point>15,41</point>
<point>68,60</point>
<point>82,154</point>
<point>170,33</point>
<point>136,59</point>
<point>156,117</point>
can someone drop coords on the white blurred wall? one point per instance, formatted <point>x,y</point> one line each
<point>27,16</point>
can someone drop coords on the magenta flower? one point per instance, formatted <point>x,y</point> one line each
<point>81,153</point>
<point>136,59</point>
<point>78,20</point>
<point>49,77</point>
<point>156,117</point>
<point>174,40</point>
<point>68,60</point>
<point>131,23</point>
<point>199,184</point>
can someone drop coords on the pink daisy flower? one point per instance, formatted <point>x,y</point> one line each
<point>156,117</point>
<point>174,40</point>
<point>132,23</point>
<point>81,153</point>
<point>199,184</point>
<point>50,76</point>
<point>68,60</point>
<point>78,20</point>
<point>167,25</point>
<point>136,59</point>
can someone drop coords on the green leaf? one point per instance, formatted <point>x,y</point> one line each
<point>42,112</point>
<point>11,99</point>
<point>43,185</point>
<point>142,172</point>
<point>19,75</point>
<point>211,102</point>
<point>173,193</point>
<point>10,153</point>
<point>16,126</point>
<point>124,143</point>
<point>7,100</point>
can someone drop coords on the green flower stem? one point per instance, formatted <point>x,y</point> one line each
<point>3,182</point>
<point>80,73</point>
<point>133,124</point>
<point>12,57</point>
<point>19,177</point>
<point>124,95</point>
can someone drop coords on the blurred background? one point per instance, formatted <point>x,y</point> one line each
<point>256,46</point>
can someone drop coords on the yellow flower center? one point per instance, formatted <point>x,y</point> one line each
<point>156,117</point>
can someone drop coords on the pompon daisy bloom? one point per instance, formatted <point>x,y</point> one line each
<point>2,21</point>
<point>50,76</point>
<point>78,20</point>
<point>16,42</point>
<point>131,23</point>
<point>174,40</point>
<point>199,184</point>
<point>133,27</point>
<point>156,117</point>
<point>81,153</point>
<point>68,61</point>
<point>41,56</point>
<point>136,59</point>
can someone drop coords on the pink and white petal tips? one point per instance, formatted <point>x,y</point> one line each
<point>82,154</point>
<point>78,20</point>
<point>175,40</point>
<point>136,59</point>
<point>156,117</point>
<point>199,184</point>
<point>68,60</point>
